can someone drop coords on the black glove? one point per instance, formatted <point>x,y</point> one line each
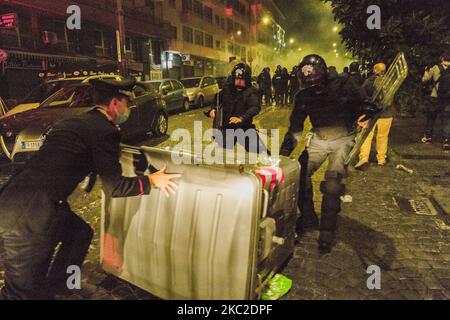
<point>369,110</point>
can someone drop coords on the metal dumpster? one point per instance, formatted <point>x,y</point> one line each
<point>222,236</point>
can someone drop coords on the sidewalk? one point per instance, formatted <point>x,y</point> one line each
<point>377,228</point>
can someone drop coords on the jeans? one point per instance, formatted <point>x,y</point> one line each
<point>315,154</point>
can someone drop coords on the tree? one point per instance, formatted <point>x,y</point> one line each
<point>419,28</point>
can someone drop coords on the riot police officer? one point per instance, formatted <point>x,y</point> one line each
<point>239,102</point>
<point>34,213</point>
<point>325,100</point>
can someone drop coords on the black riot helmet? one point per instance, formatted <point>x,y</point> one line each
<point>312,71</point>
<point>242,71</point>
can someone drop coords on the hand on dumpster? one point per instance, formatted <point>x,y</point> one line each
<point>162,180</point>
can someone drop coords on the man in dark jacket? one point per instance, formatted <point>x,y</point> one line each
<point>265,86</point>
<point>324,99</point>
<point>239,104</point>
<point>34,214</point>
<point>277,82</point>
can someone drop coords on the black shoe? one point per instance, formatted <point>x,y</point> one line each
<point>326,241</point>
<point>362,166</point>
<point>325,247</point>
<point>306,225</point>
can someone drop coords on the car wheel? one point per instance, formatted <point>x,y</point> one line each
<point>186,105</point>
<point>200,102</point>
<point>161,124</point>
<point>7,145</point>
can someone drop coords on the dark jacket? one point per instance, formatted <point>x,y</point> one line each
<point>332,112</point>
<point>277,81</point>
<point>72,149</point>
<point>264,81</point>
<point>369,88</point>
<point>243,104</point>
<point>294,83</point>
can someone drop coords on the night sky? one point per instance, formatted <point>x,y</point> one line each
<point>311,23</point>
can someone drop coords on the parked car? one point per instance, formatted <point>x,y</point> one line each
<point>173,92</point>
<point>201,91</point>
<point>47,88</point>
<point>22,134</point>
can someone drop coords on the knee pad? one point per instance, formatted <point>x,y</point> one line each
<point>332,184</point>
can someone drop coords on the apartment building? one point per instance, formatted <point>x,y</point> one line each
<point>209,37</point>
<point>41,46</point>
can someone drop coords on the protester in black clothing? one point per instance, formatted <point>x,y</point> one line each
<point>238,104</point>
<point>265,86</point>
<point>355,74</point>
<point>34,214</point>
<point>277,82</point>
<point>328,102</point>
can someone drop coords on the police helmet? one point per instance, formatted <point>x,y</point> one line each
<point>312,71</point>
<point>242,71</point>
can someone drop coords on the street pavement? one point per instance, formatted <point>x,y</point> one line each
<point>377,228</point>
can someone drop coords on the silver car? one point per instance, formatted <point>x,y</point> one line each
<point>201,91</point>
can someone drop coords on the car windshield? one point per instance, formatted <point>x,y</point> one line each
<point>74,96</point>
<point>46,89</point>
<point>191,83</point>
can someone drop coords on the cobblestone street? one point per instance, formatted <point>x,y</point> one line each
<point>412,250</point>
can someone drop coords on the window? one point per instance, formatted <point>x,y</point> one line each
<point>174,33</point>
<point>243,52</point>
<point>230,25</point>
<point>199,38</point>
<point>186,5</point>
<point>208,81</point>
<point>230,47</point>
<point>208,41</point>
<point>208,14</point>
<point>218,45</point>
<point>132,49</point>
<point>166,87</point>
<point>222,23</point>
<point>103,43</point>
<point>173,3</point>
<point>176,85</point>
<point>187,34</point>
<point>217,18</point>
<point>198,8</point>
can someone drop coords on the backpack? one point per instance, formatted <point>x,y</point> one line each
<point>443,90</point>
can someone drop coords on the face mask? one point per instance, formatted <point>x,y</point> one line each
<point>121,118</point>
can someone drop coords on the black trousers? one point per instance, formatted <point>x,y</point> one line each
<point>28,274</point>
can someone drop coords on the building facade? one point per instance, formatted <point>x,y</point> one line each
<point>209,37</point>
<point>41,46</point>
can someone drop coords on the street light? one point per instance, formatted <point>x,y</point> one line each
<point>334,44</point>
<point>299,49</point>
<point>239,32</point>
<point>266,20</point>
<point>335,29</point>
<point>291,40</point>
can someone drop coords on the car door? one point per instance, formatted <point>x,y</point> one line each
<point>167,91</point>
<point>178,93</point>
<point>209,89</point>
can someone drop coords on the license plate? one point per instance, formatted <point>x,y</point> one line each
<point>32,145</point>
